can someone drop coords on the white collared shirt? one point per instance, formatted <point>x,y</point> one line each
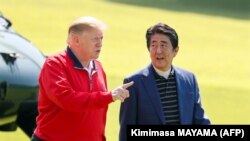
<point>89,68</point>
<point>164,74</point>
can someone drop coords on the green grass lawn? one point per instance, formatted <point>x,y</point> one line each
<point>214,44</point>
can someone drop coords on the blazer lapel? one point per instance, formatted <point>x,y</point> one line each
<point>181,87</point>
<point>152,91</point>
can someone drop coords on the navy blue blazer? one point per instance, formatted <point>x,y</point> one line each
<point>144,104</point>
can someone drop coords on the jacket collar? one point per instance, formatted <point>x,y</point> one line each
<point>76,62</point>
<point>150,70</point>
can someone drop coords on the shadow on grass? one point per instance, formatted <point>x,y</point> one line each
<point>239,9</point>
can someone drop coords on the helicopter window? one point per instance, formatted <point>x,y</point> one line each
<point>9,58</point>
<point>4,23</point>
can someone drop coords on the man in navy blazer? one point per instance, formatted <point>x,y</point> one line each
<point>162,94</point>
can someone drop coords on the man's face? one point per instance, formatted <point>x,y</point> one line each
<point>161,51</point>
<point>90,42</point>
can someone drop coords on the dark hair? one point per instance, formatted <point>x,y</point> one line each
<point>161,28</point>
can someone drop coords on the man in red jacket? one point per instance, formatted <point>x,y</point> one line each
<point>73,97</point>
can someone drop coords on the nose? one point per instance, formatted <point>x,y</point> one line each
<point>158,49</point>
<point>99,43</point>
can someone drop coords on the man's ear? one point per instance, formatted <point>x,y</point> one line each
<point>76,40</point>
<point>176,51</point>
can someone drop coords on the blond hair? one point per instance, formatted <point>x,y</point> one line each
<point>85,23</point>
<point>82,24</point>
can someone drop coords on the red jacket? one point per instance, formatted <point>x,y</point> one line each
<point>71,106</point>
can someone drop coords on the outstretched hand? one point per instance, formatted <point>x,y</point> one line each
<point>126,85</point>
<point>121,92</point>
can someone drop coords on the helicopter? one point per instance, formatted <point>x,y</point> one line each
<point>20,65</point>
